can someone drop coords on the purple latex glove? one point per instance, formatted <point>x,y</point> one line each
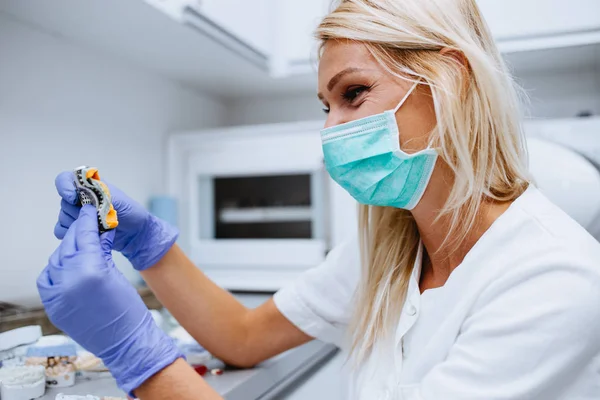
<point>87,297</point>
<point>141,237</point>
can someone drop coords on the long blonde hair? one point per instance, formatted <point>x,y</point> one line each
<point>478,134</point>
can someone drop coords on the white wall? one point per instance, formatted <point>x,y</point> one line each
<point>62,106</point>
<point>273,109</point>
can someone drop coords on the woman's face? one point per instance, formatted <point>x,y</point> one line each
<point>353,85</point>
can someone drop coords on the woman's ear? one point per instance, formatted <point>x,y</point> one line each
<point>457,56</point>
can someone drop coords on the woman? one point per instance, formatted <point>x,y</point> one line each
<point>465,282</point>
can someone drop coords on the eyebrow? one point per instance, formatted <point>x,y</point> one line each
<point>337,77</point>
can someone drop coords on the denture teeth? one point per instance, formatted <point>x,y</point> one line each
<point>92,192</point>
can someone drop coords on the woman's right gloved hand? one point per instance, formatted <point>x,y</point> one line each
<point>142,238</point>
<point>88,298</point>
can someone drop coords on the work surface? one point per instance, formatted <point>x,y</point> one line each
<point>263,382</point>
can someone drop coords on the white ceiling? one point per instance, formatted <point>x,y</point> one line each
<point>136,32</point>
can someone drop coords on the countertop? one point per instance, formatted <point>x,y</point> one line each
<point>260,383</point>
<point>263,382</point>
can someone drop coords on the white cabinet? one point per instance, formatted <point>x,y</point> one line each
<point>523,19</point>
<point>254,208</point>
<point>250,21</point>
<point>518,25</point>
<point>275,35</point>
<point>295,26</point>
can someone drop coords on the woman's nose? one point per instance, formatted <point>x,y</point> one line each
<point>334,119</point>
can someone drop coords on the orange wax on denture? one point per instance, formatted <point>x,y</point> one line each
<point>93,174</point>
<point>111,218</point>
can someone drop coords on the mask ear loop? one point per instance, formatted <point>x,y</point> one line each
<point>406,96</point>
<point>430,144</point>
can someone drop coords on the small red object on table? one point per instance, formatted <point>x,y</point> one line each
<point>201,369</point>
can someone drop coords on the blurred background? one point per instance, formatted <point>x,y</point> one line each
<point>205,111</point>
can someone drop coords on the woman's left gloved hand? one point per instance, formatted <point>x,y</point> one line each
<point>143,238</point>
<point>88,298</point>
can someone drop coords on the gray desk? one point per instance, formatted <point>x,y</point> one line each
<point>264,382</point>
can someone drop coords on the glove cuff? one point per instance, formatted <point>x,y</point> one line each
<point>139,358</point>
<point>152,242</point>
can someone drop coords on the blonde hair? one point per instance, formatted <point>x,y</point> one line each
<point>478,134</point>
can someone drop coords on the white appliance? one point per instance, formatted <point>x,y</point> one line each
<point>254,202</point>
<point>567,178</point>
<point>564,158</point>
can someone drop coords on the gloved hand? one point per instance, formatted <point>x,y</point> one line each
<point>87,297</point>
<point>141,237</point>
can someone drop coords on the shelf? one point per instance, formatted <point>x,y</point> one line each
<point>265,214</point>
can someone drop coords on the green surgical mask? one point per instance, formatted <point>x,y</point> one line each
<point>364,157</point>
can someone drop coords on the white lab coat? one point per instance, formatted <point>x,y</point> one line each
<point>518,319</point>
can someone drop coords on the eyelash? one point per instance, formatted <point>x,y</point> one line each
<point>351,94</point>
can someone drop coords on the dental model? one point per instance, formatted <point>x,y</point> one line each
<point>57,355</point>
<point>14,344</point>
<point>20,336</point>
<point>22,383</point>
<point>59,370</point>
<point>86,361</point>
<point>14,357</point>
<point>93,191</point>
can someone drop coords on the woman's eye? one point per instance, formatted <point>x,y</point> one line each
<point>352,93</point>
<point>326,110</point>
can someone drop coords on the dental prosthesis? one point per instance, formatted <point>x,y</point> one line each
<point>56,354</point>
<point>87,362</point>
<point>93,191</point>
<point>22,383</point>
